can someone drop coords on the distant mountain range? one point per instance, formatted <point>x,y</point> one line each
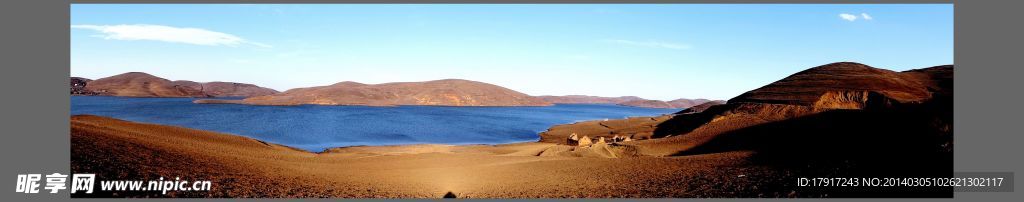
<point>447,92</point>
<point>586,99</point>
<point>138,84</point>
<point>624,100</point>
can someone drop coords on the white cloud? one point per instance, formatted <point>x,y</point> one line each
<point>650,44</point>
<point>866,16</point>
<point>848,17</point>
<point>186,35</point>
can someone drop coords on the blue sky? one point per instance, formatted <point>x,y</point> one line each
<point>652,51</point>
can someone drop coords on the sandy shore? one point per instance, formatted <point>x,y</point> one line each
<point>245,167</point>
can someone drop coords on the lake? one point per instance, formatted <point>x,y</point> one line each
<point>315,128</point>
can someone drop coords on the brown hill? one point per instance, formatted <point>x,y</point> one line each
<point>834,81</point>
<point>838,109</point>
<point>138,84</point>
<point>232,89</point>
<point>448,92</point>
<point>938,79</point>
<point>686,103</point>
<point>228,89</point>
<point>586,99</point>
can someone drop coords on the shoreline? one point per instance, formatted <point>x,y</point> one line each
<point>240,166</point>
<point>538,139</point>
<point>238,100</point>
<point>536,134</point>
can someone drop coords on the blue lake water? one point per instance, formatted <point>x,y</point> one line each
<point>315,128</point>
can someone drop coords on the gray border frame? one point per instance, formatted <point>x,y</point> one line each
<point>540,1</point>
<point>34,111</point>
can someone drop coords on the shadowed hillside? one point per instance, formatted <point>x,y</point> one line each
<point>840,120</point>
<point>835,88</point>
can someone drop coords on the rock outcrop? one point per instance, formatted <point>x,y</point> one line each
<point>448,92</point>
<point>584,141</point>
<point>78,86</point>
<point>573,140</point>
<point>621,139</point>
<point>631,128</point>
